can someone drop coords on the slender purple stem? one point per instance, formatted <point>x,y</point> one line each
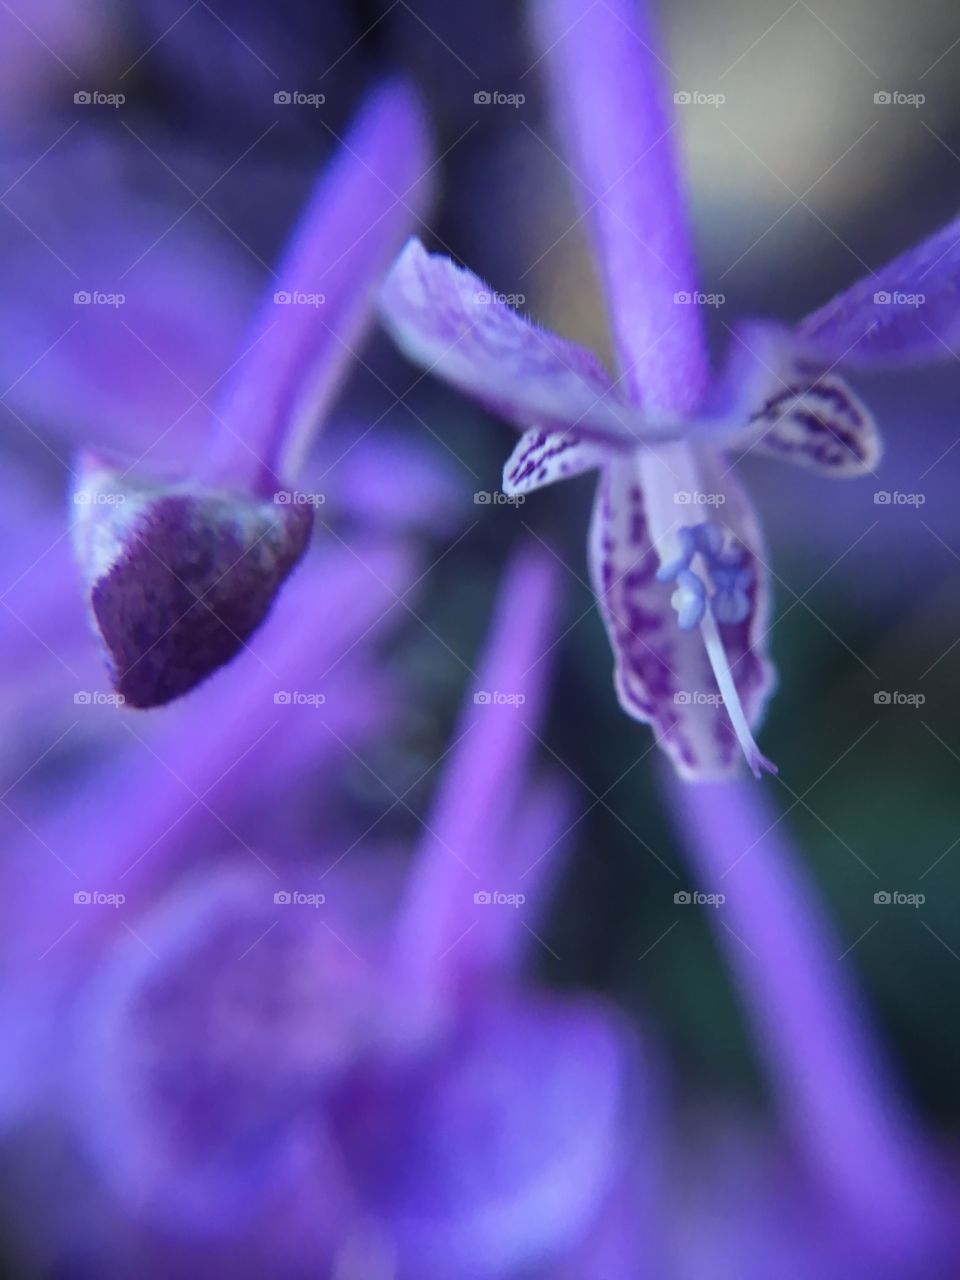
<point>322,298</point>
<point>838,1097</point>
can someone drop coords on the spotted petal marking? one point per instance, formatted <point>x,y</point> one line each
<point>773,397</point>
<point>543,457</point>
<point>663,675</point>
<point>818,422</point>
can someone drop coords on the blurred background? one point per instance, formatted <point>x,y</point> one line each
<point>179,194</point>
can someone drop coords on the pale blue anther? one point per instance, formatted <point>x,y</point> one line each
<point>689,600</point>
<point>686,537</point>
<point>729,601</point>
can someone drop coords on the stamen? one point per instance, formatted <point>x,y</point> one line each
<point>688,546</point>
<point>725,573</point>
<point>721,564</point>
<point>755,758</point>
<point>689,599</point>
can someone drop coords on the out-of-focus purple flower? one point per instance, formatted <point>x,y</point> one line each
<point>181,570</point>
<point>252,1051</point>
<point>662,439</point>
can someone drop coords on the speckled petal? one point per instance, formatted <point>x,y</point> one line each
<point>777,401</point>
<point>905,313</point>
<point>543,457</point>
<point>447,320</point>
<point>663,675</point>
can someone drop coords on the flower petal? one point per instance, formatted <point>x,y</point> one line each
<point>663,675</point>
<point>906,313</point>
<point>363,206</point>
<point>609,96</point>
<point>778,401</point>
<point>493,1153</point>
<point>543,457</point>
<point>446,319</point>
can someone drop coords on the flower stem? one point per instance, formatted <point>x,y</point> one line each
<point>838,1096</point>
<point>322,297</point>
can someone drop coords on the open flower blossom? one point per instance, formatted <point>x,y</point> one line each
<point>182,569</point>
<point>683,594</point>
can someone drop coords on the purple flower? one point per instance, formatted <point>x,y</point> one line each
<point>181,570</point>
<point>684,595</point>
<point>363,1066</point>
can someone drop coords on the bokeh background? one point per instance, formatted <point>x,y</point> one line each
<point>800,181</point>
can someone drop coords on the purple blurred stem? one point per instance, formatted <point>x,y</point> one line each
<point>365,204</point>
<point>470,836</point>
<point>837,1094</point>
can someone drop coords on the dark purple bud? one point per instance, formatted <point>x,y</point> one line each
<point>178,577</point>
